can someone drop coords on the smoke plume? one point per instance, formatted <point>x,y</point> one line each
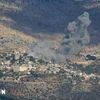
<point>77,37</point>
<point>73,42</point>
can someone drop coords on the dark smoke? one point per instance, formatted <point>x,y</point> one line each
<point>77,37</point>
<point>73,42</point>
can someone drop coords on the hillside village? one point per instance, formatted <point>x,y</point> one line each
<point>22,22</point>
<point>21,64</point>
<point>19,71</point>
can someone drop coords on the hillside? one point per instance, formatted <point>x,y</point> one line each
<point>50,49</point>
<point>11,39</point>
<point>22,22</point>
<point>48,16</point>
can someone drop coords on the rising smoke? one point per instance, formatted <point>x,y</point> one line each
<point>77,37</point>
<point>73,42</point>
<point>44,49</point>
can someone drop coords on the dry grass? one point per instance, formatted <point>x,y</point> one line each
<point>11,33</point>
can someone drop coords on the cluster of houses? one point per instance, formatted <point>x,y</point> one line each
<point>21,62</point>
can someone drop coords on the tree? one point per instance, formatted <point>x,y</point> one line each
<point>89,57</point>
<point>1,74</point>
